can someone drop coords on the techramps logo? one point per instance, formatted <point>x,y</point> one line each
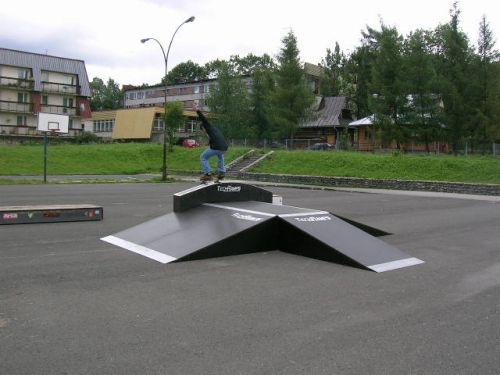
<point>229,189</point>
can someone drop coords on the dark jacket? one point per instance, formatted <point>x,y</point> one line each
<point>215,138</point>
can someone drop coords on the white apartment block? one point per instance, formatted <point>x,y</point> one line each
<point>31,83</point>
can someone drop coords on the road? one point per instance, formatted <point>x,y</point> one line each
<point>72,304</point>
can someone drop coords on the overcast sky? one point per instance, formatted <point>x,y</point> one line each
<point>106,33</point>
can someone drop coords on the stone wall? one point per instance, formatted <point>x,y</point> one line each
<point>446,187</point>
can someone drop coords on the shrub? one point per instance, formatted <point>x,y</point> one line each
<point>86,137</point>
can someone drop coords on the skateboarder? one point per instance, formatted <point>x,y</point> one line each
<point>217,147</point>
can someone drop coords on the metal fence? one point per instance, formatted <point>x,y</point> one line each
<point>466,148</point>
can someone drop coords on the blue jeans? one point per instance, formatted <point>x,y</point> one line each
<point>207,154</point>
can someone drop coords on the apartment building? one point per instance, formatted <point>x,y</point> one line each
<point>189,93</point>
<point>31,83</point>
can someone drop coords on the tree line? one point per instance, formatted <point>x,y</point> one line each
<point>429,85</point>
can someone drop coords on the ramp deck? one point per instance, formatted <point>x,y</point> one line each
<point>236,227</point>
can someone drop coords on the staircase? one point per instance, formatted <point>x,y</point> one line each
<point>239,164</point>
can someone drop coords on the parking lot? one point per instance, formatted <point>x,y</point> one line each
<point>73,304</point>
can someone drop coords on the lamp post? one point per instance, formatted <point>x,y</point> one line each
<point>165,58</point>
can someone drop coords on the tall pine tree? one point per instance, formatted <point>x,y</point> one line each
<point>292,98</point>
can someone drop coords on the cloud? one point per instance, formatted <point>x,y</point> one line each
<point>106,34</point>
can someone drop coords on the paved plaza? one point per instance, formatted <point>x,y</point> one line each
<point>73,304</point>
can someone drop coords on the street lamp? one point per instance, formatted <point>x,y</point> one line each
<point>165,58</point>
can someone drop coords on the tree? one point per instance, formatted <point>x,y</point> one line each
<point>333,75</point>
<point>248,64</point>
<point>453,67</point>
<point>173,118</point>
<point>260,97</point>
<point>186,72</point>
<point>388,100</point>
<point>105,96</point>
<point>292,98</point>
<point>424,114</point>
<point>487,113</point>
<point>358,76</point>
<point>228,100</point>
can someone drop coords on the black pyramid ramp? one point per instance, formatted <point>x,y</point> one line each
<point>234,218</point>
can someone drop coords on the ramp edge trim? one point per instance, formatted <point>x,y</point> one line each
<point>239,209</point>
<point>138,249</point>
<point>401,263</point>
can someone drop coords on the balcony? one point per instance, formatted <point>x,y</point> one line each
<point>16,83</point>
<point>60,110</point>
<point>60,88</point>
<point>8,106</point>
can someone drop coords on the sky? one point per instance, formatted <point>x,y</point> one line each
<point>106,34</point>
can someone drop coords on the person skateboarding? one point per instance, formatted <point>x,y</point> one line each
<point>217,147</point>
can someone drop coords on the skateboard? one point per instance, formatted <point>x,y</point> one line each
<point>216,180</point>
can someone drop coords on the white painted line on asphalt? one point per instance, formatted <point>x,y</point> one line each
<point>389,266</point>
<point>138,249</point>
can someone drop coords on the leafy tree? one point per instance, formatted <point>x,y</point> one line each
<point>453,66</point>
<point>248,64</point>
<point>292,98</point>
<point>424,114</point>
<point>358,75</point>
<point>260,102</point>
<point>173,118</point>
<point>388,100</point>
<point>185,72</point>
<point>228,100</point>
<point>215,66</point>
<point>333,75</point>
<point>487,113</point>
<point>105,96</point>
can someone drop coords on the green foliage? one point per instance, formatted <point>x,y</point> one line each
<point>174,118</point>
<point>333,82</point>
<point>429,85</point>
<point>105,96</point>
<point>388,100</point>
<point>186,72</point>
<point>292,98</point>
<point>86,137</point>
<point>229,101</point>
<point>260,101</point>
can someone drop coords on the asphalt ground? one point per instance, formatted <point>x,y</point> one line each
<point>72,304</point>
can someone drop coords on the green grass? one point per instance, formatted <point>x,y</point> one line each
<point>478,169</point>
<point>100,159</point>
<point>135,158</point>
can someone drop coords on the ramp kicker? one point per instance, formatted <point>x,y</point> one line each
<point>234,218</point>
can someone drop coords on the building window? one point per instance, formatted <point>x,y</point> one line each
<point>22,97</point>
<point>131,96</point>
<point>23,73</point>
<point>158,124</point>
<point>196,90</point>
<point>45,100</point>
<point>206,89</point>
<point>68,102</point>
<point>140,95</point>
<point>103,125</point>
<point>22,121</point>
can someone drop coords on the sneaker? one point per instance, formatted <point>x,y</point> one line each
<point>206,177</point>
<point>221,175</point>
